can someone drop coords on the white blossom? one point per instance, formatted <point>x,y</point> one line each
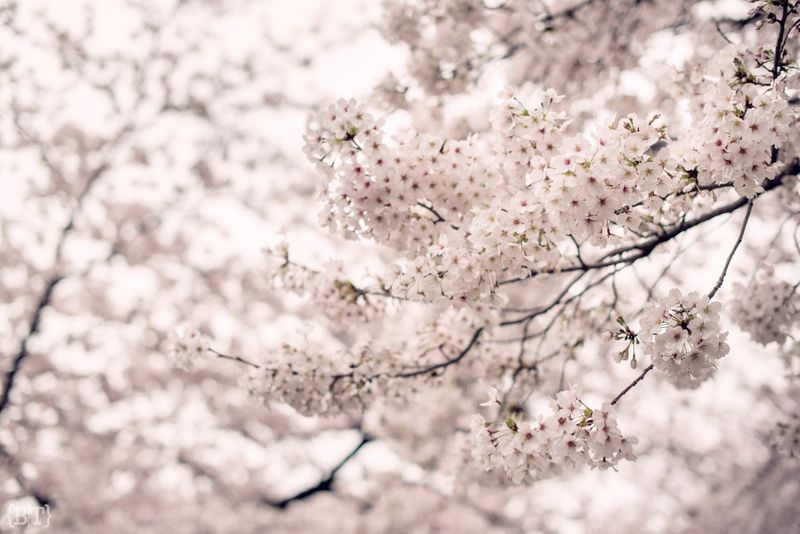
<point>186,346</point>
<point>571,436</point>
<point>682,336</point>
<point>766,308</point>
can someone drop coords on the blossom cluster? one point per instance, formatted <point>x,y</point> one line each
<point>682,336</point>
<point>766,308</point>
<point>737,132</point>
<point>785,438</point>
<point>186,346</point>
<point>463,214</point>
<point>791,359</point>
<point>315,381</point>
<point>331,291</point>
<point>450,329</point>
<point>586,186</point>
<point>451,42</point>
<point>437,59</point>
<point>572,435</point>
<point>785,435</point>
<point>545,188</point>
<point>398,193</point>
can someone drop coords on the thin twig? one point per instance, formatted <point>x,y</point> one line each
<point>632,384</point>
<point>733,251</point>
<point>234,358</point>
<point>446,363</point>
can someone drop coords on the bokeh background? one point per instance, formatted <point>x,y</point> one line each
<point>149,152</point>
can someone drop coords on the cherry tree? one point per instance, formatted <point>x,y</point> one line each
<point>558,289</point>
<point>134,139</point>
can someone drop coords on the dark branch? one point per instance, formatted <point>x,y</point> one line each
<point>446,363</point>
<point>778,59</point>
<point>326,484</point>
<point>439,218</point>
<point>11,463</point>
<point>632,384</point>
<point>234,358</point>
<point>55,279</point>
<point>44,302</point>
<point>557,301</point>
<point>646,247</point>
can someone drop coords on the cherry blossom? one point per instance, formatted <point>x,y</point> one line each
<point>767,308</point>
<point>571,436</point>
<point>682,336</point>
<point>465,193</point>
<point>186,346</point>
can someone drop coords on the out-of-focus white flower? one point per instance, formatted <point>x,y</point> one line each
<point>766,308</point>
<point>185,346</point>
<point>493,400</point>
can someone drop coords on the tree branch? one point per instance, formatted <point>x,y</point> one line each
<point>326,484</point>
<point>55,279</point>
<point>44,301</point>
<point>42,499</point>
<point>632,384</point>
<point>646,247</point>
<point>446,363</point>
<point>234,358</point>
<point>733,251</point>
<point>778,59</point>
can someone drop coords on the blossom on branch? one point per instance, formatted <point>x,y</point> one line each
<point>186,346</point>
<point>571,436</point>
<point>766,308</point>
<point>682,336</point>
